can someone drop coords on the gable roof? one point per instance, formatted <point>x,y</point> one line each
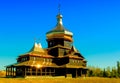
<point>37,48</point>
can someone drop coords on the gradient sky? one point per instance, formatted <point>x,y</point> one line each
<point>95,24</point>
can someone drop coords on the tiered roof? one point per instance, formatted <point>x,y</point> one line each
<point>37,50</point>
<point>59,31</point>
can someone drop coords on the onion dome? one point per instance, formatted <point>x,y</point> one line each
<point>59,31</point>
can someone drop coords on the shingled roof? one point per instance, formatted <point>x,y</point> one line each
<point>59,28</point>
<point>37,48</point>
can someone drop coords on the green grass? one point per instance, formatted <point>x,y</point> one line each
<point>60,80</point>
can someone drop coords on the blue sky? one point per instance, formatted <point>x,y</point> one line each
<point>95,24</point>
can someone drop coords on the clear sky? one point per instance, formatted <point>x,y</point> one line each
<point>95,24</point>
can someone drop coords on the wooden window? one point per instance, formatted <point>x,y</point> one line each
<point>50,43</point>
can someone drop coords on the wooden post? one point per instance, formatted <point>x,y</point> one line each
<point>10,71</point>
<point>6,71</point>
<point>31,71</point>
<point>76,73</point>
<point>13,71</point>
<point>81,72</point>
<point>16,71</point>
<point>25,72</point>
<point>45,72</point>
<point>65,72</point>
<point>50,72</point>
<point>85,72</point>
<point>41,71</point>
<point>36,71</point>
<point>54,71</point>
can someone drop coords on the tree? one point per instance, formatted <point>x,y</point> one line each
<point>108,72</point>
<point>95,71</point>
<point>104,73</point>
<point>118,68</point>
<point>114,72</point>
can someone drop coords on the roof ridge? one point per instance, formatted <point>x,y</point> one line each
<point>37,47</point>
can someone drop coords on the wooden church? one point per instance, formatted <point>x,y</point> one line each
<point>61,58</point>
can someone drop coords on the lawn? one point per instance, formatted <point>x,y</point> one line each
<point>60,80</point>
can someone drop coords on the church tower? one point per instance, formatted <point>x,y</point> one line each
<point>59,39</point>
<point>59,35</point>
